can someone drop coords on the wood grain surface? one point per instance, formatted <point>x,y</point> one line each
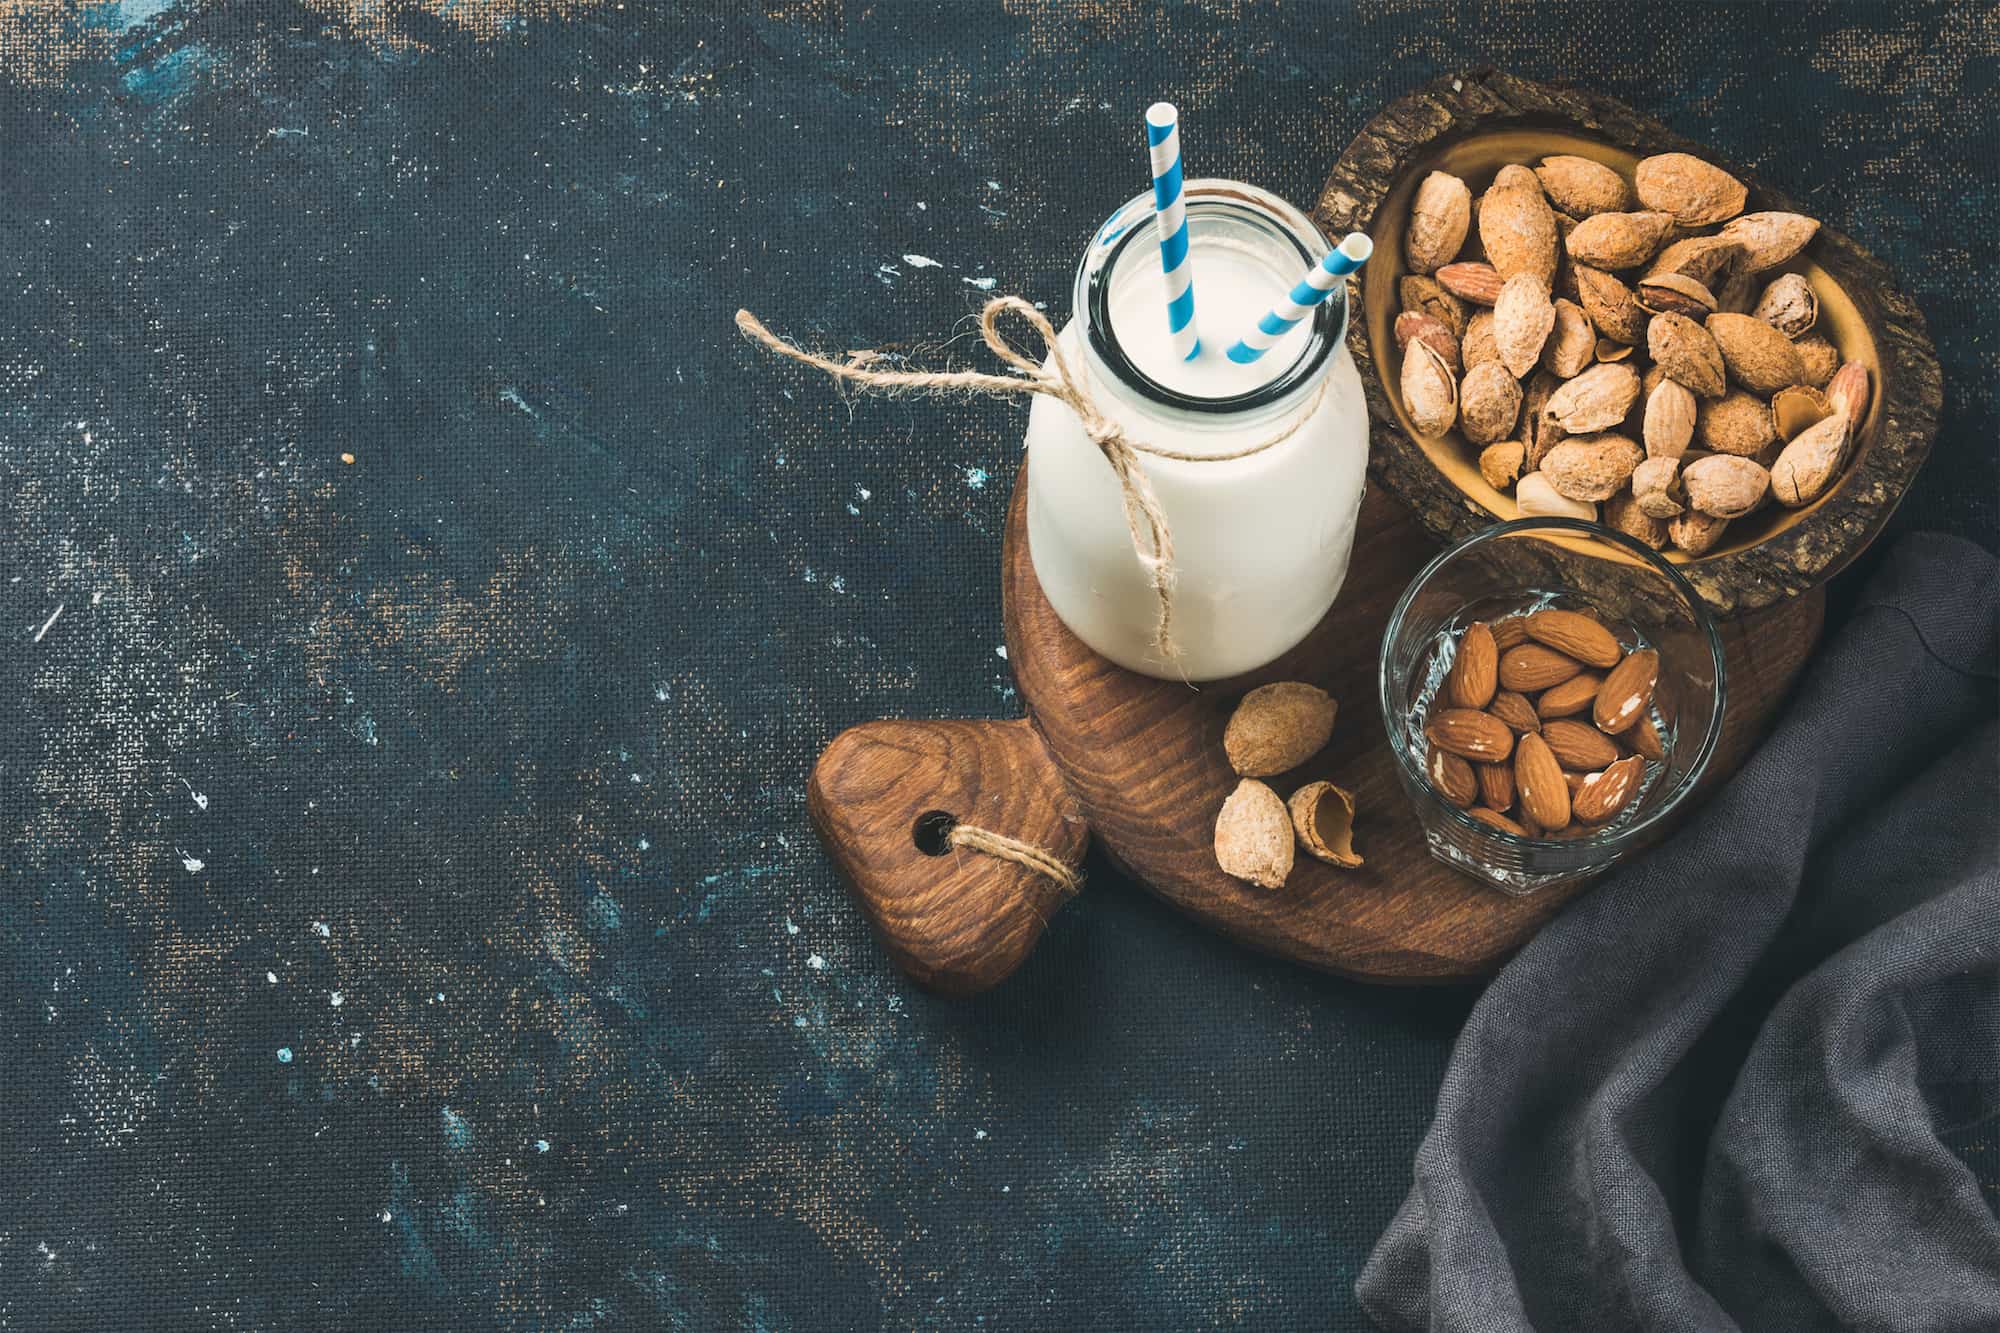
<point>1143,759</point>
<point>954,919</point>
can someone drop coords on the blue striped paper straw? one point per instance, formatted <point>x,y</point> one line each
<point>1163,139</point>
<point>1318,284</point>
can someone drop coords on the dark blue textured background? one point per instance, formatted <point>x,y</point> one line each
<point>409,915</point>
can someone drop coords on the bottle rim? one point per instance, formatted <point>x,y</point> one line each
<point>1206,199</point>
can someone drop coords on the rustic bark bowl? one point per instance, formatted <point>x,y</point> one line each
<point>1470,124</point>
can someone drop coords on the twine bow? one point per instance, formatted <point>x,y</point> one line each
<point>1152,541</point>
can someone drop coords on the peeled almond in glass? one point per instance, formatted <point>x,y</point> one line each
<point>1323,816</point>
<point>1796,408</point>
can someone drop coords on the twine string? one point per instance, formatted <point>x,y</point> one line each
<point>1152,540</point>
<point>976,839</point>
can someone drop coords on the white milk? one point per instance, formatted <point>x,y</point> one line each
<point>1261,543</point>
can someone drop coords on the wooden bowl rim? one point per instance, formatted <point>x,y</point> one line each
<point>1790,561</point>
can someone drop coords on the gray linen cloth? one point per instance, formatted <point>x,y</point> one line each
<point>1709,1095</point>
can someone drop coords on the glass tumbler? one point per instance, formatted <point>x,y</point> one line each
<point>1524,566</point>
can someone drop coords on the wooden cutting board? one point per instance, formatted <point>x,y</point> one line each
<point>1138,763</point>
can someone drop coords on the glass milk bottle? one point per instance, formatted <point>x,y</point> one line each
<point>1261,543</point>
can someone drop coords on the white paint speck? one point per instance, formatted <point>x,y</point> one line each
<point>49,622</point>
<point>387,1215</point>
<point>921,261</point>
<point>790,929</point>
<point>1000,651</point>
<point>321,929</point>
<point>200,798</point>
<point>336,999</point>
<point>983,284</point>
<point>864,492</point>
<point>993,185</point>
<point>193,863</point>
<point>271,977</point>
<point>541,1145</point>
<point>921,205</point>
<point>816,963</point>
<point>978,1133</point>
<point>97,597</point>
<point>976,478</point>
<point>284,1055</point>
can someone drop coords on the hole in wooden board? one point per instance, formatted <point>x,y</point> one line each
<point>932,833</point>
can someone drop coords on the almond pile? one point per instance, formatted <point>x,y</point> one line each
<point>1274,729</point>
<point>1624,344</point>
<point>1543,726</point>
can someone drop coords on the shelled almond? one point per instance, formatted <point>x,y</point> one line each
<point>1543,725</point>
<point>1575,323</point>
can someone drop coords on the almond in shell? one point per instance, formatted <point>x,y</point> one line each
<point>1669,421</point>
<point>1687,354</point>
<point>1423,295</point>
<point>1820,358</point>
<point>1656,487</point>
<point>1433,332</point>
<point>1534,496</point>
<point>1538,784</point>
<point>1623,514</point>
<point>1470,734</point>
<point>1796,408</point>
<point>1489,401</point>
<point>1595,400</point>
<point>1706,259</point>
<point>1618,240</point>
<point>1500,464</point>
<point>1695,533</point>
<point>1517,227</point>
<point>1478,347</point>
<point>1626,692</point>
<point>1523,315</point>
<point>1736,423</point>
<point>1277,727</point>
<point>1807,466</point>
<point>1757,356</point>
<point>1788,305</point>
<point>1440,215</point>
<point>1594,467</point>
<point>1323,817</point>
<point>1695,192</point>
<point>1613,309</point>
<point>1603,794</point>
<point>1430,390</point>
<point>1579,187</point>
<point>1725,486</point>
<point>1676,292</point>
<point>1572,343</point>
<point>1768,239</point>
<point>1253,835</point>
